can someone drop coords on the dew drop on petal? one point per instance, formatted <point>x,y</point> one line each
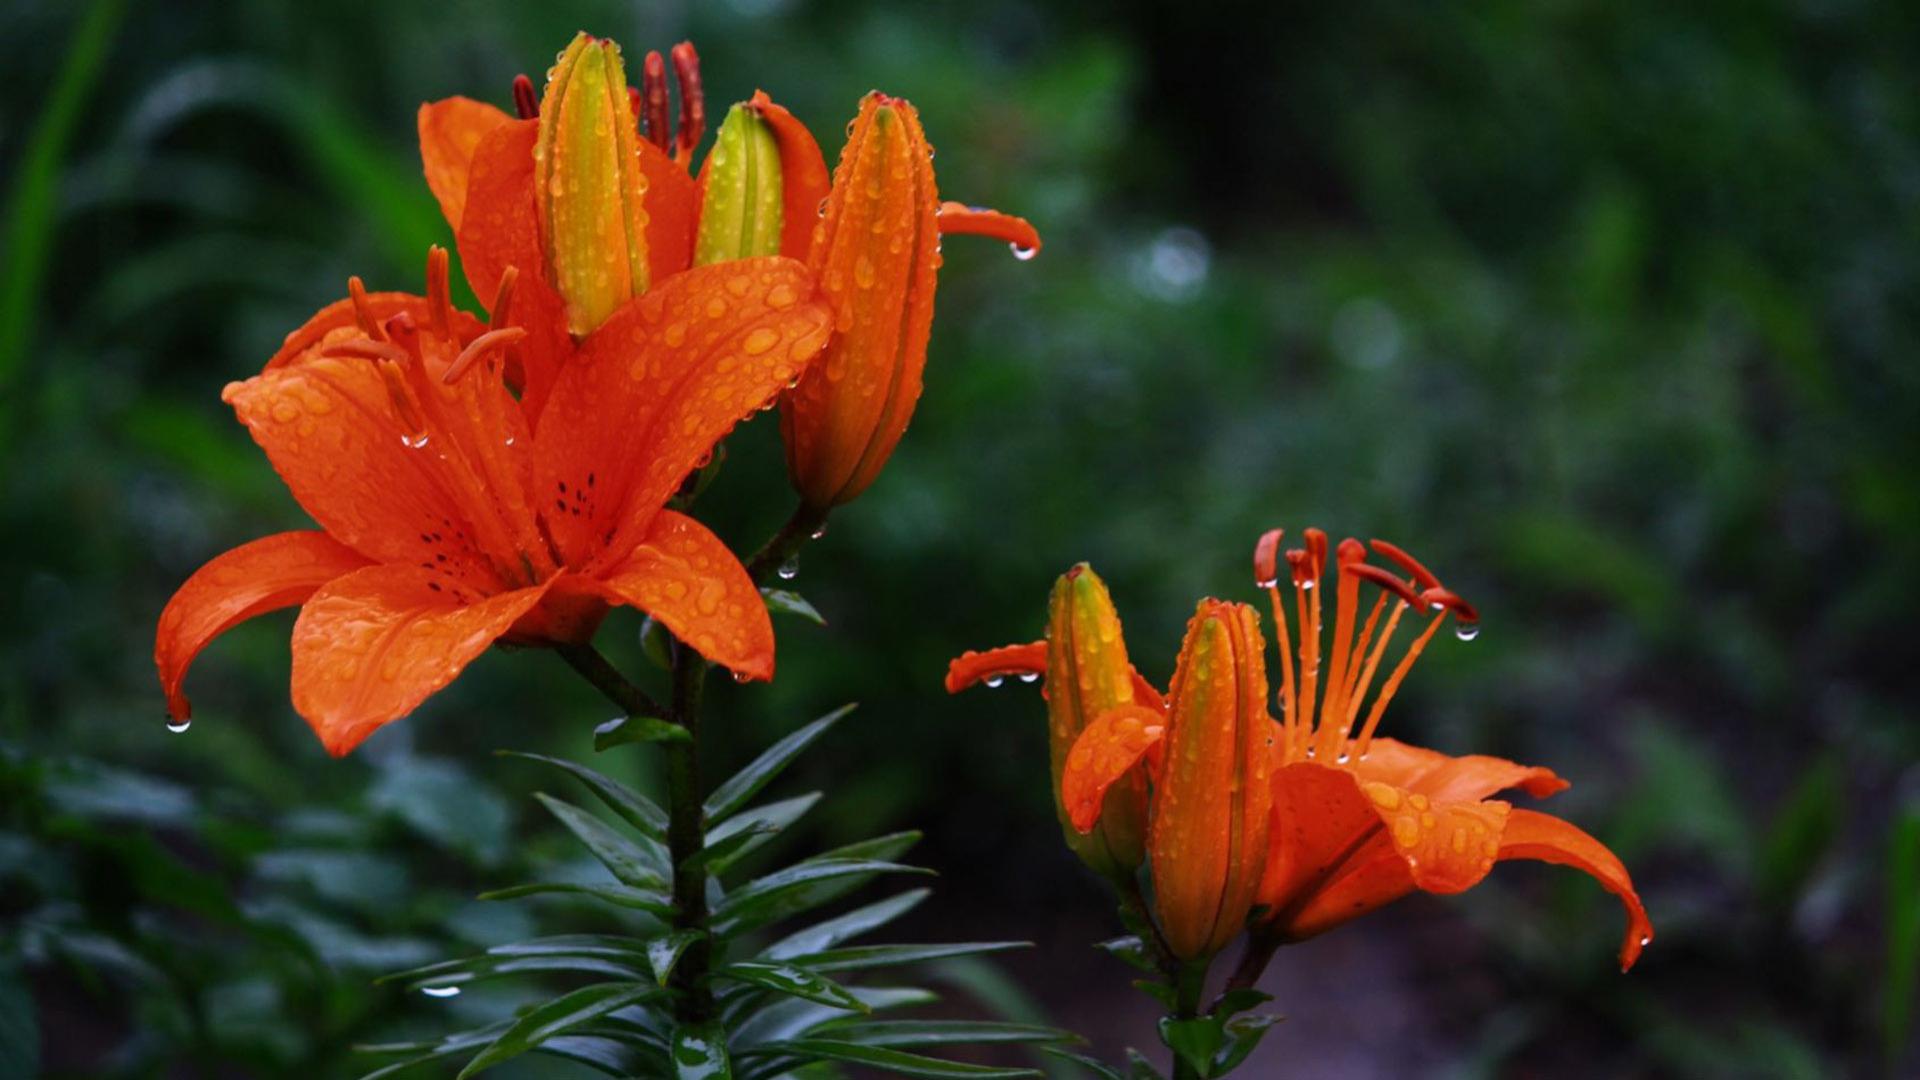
<point>1024,254</point>
<point>1467,631</point>
<point>441,991</point>
<point>994,681</point>
<point>179,726</point>
<point>1029,676</point>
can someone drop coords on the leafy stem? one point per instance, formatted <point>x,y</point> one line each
<point>686,834</point>
<point>780,548</point>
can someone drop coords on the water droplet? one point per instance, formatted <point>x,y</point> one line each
<point>1308,583</point>
<point>789,569</point>
<point>414,442</point>
<point>1467,631</point>
<point>818,534</point>
<point>1024,254</point>
<point>741,676</point>
<point>1029,676</point>
<point>178,726</point>
<point>441,991</point>
<point>1266,583</point>
<point>994,681</point>
<point>1343,758</point>
<point>1645,941</point>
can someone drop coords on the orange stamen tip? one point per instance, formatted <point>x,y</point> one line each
<point>1386,581</point>
<point>1350,551</point>
<point>1317,547</point>
<point>653,83</point>
<point>525,105</point>
<point>1301,564</point>
<point>1406,562</point>
<point>362,314</point>
<point>1440,599</point>
<point>1266,558</point>
<point>693,100</point>
<point>478,347</point>
<point>992,666</point>
<point>503,297</point>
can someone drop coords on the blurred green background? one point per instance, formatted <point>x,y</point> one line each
<point>1608,311</point>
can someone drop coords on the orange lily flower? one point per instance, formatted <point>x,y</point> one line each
<point>877,255</point>
<point>454,513</point>
<point>1208,799</point>
<point>1359,821</point>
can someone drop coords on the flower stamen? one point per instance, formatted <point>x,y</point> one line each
<point>693,102</point>
<point>362,310</point>
<point>478,347</point>
<point>653,93</point>
<point>525,105</point>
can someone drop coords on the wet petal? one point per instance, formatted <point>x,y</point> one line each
<point>687,578</point>
<point>265,575</point>
<point>450,129</point>
<point>974,666</point>
<point>1445,778</point>
<point>672,212</point>
<point>1533,835</point>
<point>655,388</point>
<point>371,646</point>
<point>959,219</point>
<point>803,172</point>
<point>1106,749</point>
<point>330,428</point>
<point>498,229</point>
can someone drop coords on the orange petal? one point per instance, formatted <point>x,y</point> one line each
<point>371,646</point>
<point>500,229</point>
<point>672,205</point>
<point>959,219</point>
<point>341,321</point>
<point>450,129</point>
<point>684,576</point>
<point>1450,779</point>
<point>974,666</point>
<point>877,258</point>
<point>265,575</point>
<point>657,386</point>
<point>1533,835</point>
<point>330,428</point>
<point>803,175</point>
<point>1106,749</point>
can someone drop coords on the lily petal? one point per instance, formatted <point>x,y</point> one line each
<point>369,647</point>
<point>330,428</point>
<point>672,212</point>
<point>450,129</point>
<point>803,173</point>
<point>974,666</point>
<point>658,385</point>
<point>1105,750</point>
<point>959,219</point>
<point>264,575</point>
<point>1444,778</point>
<point>687,578</point>
<point>501,231</point>
<point>1533,835</point>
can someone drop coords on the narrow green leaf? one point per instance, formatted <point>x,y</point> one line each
<point>625,896</point>
<point>826,935</point>
<point>1242,1033</point>
<point>899,1061</point>
<point>1129,950</point>
<point>1093,1065</point>
<point>798,888</point>
<point>742,785</point>
<point>618,854</point>
<point>900,1033</point>
<point>1158,991</point>
<point>1139,1068</point>
<point>622,730</point>
<point>664,952</point>
<point>1238,1001</point>
<point>634,808</point>
<point>719,854</point>
<point>790,1018</point>
<point>557,1017</point>
<point>792,981</point>
<point>788,602</point>
<point>860,957</point>
<point>656,643</point>
<point>700,1053</point>
<point>758,824</point>
<point>1195,1040</point>
<point>456,973</point>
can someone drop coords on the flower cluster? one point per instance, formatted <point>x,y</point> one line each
<point>1284,828</point>
<point>507,478</point>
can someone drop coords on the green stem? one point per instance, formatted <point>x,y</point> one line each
<point>687,835</point>
<point>1189,980</point>
<point>1259,953</point>
<point>784,545</point>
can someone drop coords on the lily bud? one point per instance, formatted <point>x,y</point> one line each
<point>1088,675</point>
<point>740,215</point>
<point>876,257</point>
<point>589,189</point>
<point>1207,838</point>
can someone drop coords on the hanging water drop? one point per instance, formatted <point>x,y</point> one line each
<point>1467,631</point>
<point>741,676</point>
<point>441,991</point>
<point>179,726</point>
<point>1024,254</point>
<point>789,569</point>
<point>1029,676</point>
<point>818,533</point>
<point>994,681</point>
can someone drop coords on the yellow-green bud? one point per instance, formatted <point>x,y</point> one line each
<point>741,216</point>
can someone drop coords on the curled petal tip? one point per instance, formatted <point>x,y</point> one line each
<point>959,219</point>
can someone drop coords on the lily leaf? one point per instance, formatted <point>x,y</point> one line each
<point>788,602</point>
<point>743,833</point>
<point>741,786</point>
<point>1129,950</point>
<point>793,981</point>
<point>664,952</point>
<point>622,895</point>
<point>700,1053</point>
<point>634,808</point>
<point>619,855</point>
<point>798,888</point>
<point>633,729</point>
<point>901,1033</point>
<point>825,935</point>
<point>898,1061</point>
<point>1092,1065</point>
<point>874,956</point>
<point>557,1017</point>
<point>1242,1033</point>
